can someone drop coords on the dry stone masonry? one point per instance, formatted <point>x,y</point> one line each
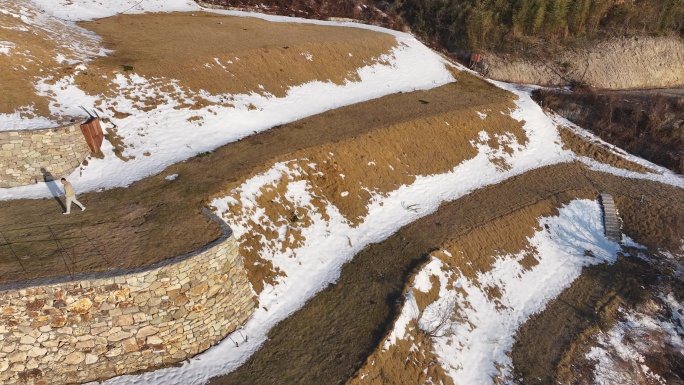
<point>96,328</point>
<point>27,156</point>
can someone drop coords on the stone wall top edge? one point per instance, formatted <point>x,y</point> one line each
<point>34,131</point>
<point>109,274</point>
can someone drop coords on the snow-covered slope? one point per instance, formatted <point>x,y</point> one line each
<point>310,256</point>
<point>473,340</point>
<point>168,133</point>
<point>330,239</point>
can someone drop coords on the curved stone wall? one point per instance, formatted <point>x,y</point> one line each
<point>31,156</point>
<point>91,328</point>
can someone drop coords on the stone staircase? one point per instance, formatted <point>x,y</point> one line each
<point>611,221</point>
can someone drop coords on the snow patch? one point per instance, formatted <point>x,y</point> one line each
<point>5,47</point>
<point>617,356</point>
<point>162,134</point>
<point>473,350</point>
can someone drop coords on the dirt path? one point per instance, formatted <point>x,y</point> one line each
<point>155,219</point>
<point>327,340</point>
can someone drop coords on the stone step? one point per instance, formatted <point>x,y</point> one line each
<point>611,221</point>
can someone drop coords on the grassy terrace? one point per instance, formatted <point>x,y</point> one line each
<point>155,219</point>
<point>331,337</point>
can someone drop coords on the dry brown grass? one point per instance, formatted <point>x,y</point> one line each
<point>155,219</point>
<point>646,123</point>
<point>378,161</point>
<point>583,147</point>
<point>227,55</point>
<point>117,142</point>
<point>329,339</point>
<point>337,331</point>
<point>410,360</point>
<point>32,56</point>
<point>201,51</point>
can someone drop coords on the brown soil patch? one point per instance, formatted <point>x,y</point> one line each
<point>409,361</point>
<point>476,251</point>
<point>329,339</point>
<point>423,299</point>
<point>397,154</point>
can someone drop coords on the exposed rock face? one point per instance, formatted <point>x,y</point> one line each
<point>638,62</point>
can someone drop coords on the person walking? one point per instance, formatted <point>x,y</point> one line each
<point>70,196</point>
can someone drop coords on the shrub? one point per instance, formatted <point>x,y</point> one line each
<point>646,125</point>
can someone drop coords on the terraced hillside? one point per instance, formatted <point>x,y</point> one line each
<point>440,228</point>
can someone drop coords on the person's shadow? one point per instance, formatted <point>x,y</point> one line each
<point>52,186</point>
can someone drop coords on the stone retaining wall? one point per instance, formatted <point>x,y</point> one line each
<point>96,328</point>
<point>27,156</point>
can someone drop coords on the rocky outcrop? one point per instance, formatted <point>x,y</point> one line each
<point>637,62</point>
